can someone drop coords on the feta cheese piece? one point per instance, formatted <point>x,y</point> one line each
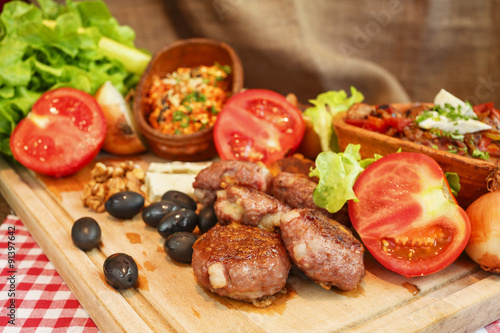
<point>454,116</point>
<point>459,126</point>
<point>158,183</point>
<point>178,167</point>
<point>444,97</point>
<point>175,175</point>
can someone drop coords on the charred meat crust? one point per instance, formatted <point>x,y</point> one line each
<point>323,249</point>
<point>223,173</point>
<point>248,206</point>
<point>296,163</point>
<point>241,262</point>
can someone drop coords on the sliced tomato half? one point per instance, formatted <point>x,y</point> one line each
<point>406,215</point>
<point>63,132</point>
<point>258,125</point>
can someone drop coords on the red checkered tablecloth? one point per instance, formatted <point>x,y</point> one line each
<point>42,301</point>
<point>34,298</point>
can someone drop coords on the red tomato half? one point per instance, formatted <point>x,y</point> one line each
<point>406,215</point>
<point>63,132</point>
<point>258,125</point>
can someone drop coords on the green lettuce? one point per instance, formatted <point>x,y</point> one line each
<point>454,182</point>
<point>337,173</point>
<point>52,45</point>
<point>325,106</point>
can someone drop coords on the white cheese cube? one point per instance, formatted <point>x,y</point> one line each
<point>178,167</point>
<point>159,183</point>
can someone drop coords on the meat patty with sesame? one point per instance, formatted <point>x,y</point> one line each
<point>220,174</point>
<point>248,206</point>
<point>323,249</point>
<point>241,262</point>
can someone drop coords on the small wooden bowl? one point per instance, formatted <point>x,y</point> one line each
<point>472,172</point>
<point>192,52</point>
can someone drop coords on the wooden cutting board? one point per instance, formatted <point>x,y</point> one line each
<point>460,298</point>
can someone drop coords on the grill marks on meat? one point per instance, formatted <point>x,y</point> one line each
<point>248,206</point>
<point>323,249</point>
<point>222,173</point>
<point>241,262</point>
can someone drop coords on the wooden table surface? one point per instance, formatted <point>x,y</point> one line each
<point>4,209</point>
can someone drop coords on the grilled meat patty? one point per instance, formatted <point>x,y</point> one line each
<point>323,249</point>
<point>296,190</point>
<point>222,173</point>
<point>248,206</point>
<point>241,262</point>
<point>296,163</point>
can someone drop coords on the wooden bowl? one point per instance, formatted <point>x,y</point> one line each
<point>193,52</point>
<point>472,172</point>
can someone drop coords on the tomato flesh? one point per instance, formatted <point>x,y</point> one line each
<point>406,215</point>
<point>418,244</point>
<point>258,125</point>
<point>64,132</point>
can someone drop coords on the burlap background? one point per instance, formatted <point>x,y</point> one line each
<point>391,50</point>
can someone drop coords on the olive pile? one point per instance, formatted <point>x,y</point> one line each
<point>175,219</point>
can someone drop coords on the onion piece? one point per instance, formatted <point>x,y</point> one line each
<point>484,214</point>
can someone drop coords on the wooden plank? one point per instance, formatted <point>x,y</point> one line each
<point>108,308</point>
<point>168,298</point>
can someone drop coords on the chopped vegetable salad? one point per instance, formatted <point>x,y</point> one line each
<point>189,99</point>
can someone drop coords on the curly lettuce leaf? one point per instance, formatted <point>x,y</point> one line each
<point>337,173</point>
<point>325,106</point>
<point>76,44</point>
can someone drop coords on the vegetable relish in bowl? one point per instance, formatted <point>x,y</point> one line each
<point>189,99</point>
<point>180,95</point>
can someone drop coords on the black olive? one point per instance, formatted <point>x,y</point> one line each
<point>179,220</point>
<point>152,214</point>
<point>120,270</point>
<point>86,233</point>
<point>179,246</point>
<point>124,205</point>
<point>207,218</point>
<point>182,199</point>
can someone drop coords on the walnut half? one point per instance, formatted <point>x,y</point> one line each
<point>107,180</point>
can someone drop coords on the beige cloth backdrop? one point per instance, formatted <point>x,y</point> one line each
<point>391,50</point>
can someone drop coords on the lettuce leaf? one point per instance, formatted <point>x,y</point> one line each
<point>454,182</point>
<point>325,106</point>
<point>337,173</point>
<point>76,44</point>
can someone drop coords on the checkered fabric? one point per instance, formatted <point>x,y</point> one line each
<point>494,327</point>
<point>33,297</point>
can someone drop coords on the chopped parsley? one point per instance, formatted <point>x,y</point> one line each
<point>225,68</point>
<point>447,134</point>
<point>213,110</point>
<point>179,116</point>
<point>481,154</point>
<point>448,111</point>
<point>195,96</point>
